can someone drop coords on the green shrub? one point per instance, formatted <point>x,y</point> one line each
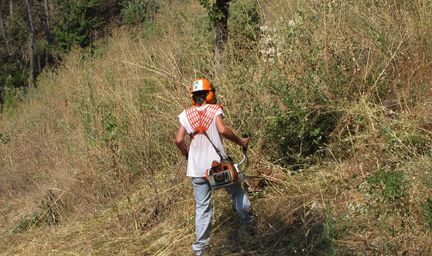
<point>8,96</point>
<point>410,141</point>
<point>13,92</point>
<point>421,143</point>
<point>301,126</point>
<point>76,24</point>
<point>11,80</point>
<point>110,124</point>
<point>26,222</point>
<point>329,233</point>
<point>4,138</point>
<point>48,213</point>
<point>135,12</point>
<point>427,211</point>
<point>389,185</point>
<point>244,23</point>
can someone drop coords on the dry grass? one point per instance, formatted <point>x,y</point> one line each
<point>98,134</point>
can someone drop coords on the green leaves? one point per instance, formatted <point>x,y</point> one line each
<point>217,10</point>
<point>76,24</point>
<point>427,211</point>
<point>4,138</point>
<point>138,11</point>
<point>302,123</point>
<point>389,185</point>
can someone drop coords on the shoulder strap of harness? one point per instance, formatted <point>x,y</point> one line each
<point>214,146</point>
<point>201,120</point>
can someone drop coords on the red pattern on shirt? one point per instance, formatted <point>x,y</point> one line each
<point>201,120</point>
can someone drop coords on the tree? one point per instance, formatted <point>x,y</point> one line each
<point>3,31</point>
<point>46,25</point>
<point>218,13</point>
<point>32,45</point>
<point>76,24</point>
<point>11,8</point>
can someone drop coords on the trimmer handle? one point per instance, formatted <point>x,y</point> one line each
<point>245,147</point>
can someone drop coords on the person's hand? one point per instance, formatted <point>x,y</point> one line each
<point>244,142</point>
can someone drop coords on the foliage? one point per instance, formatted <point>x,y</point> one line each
<point>76,24</point>
<point>418,141</point>
<point>48,213</point>
<point>8,94</point>
<point>70,24</point>
<point>13,71</point>
<point>16,26</point>
<point>135,12</point>
<point>338,61</point>
<point>389,185</point>
<point>427,211</point>
<point>217,10</point>
<point>301,126</point>
<point>4,138</point>
<point>244,27</point>
<point>26,222</point>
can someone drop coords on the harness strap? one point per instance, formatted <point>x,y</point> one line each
<point>214,146</point>
<point>201,120</point>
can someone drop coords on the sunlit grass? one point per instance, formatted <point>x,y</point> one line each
<point>98,134</point>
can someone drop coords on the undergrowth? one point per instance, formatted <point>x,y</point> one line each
<point>336,96</point>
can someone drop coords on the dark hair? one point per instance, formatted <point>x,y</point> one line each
<point>199,97</point>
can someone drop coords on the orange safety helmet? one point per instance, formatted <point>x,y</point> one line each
<point>202,84</point>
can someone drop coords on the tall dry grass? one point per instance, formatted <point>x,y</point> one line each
<point>90,168</point>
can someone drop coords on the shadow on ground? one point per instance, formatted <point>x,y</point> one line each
<point>303,232</point>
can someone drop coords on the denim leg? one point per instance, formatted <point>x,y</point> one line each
<point>203,213</point>
<point>241,202</point>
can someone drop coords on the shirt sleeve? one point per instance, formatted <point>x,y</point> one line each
<point>184,122</point>
<point>219,112</point>
<point>181,118</point>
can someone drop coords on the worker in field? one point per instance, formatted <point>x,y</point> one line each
<point>204,123</point>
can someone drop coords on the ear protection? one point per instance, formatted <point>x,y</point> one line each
<point>203,85</point>
<point>211,94</point>
<point>209,97</point>
<point>193,101</point>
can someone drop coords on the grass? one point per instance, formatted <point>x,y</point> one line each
<point>98,134</point>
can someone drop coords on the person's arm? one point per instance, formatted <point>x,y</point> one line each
<point>180,142</point>
<point>229,134</point>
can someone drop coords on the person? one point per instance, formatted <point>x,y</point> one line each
<point>203,122</point>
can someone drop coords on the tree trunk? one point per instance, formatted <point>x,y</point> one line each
<point>11,8</point>
<point>3,33</point>
<point>32,45</point>
<point>221,29</point>
<point>47,32</point>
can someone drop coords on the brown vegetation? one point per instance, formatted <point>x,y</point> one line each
<point>88,164</point>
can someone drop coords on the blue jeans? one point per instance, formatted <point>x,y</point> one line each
<point>203,209</point>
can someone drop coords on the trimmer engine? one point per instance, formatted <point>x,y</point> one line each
<point>225,173</point>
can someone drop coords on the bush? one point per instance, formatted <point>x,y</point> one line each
<point>12,93</point>
<point>135,12</point>
<point>301,126</point>
<point>48,213</point>
<point>244,23</point>
<point>427,211</point>
<point>76,24</point>
<point>388,185</point>
<point>4,138</point>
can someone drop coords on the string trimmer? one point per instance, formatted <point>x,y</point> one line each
<point>225,172</point>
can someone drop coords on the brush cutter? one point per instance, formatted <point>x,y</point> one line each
<point>225,172</point>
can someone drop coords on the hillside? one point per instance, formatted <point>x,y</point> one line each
<point>335,94</point>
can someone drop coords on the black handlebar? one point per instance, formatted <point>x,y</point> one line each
<point>245,148</point>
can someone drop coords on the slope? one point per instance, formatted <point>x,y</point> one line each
<point>336,96</point>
